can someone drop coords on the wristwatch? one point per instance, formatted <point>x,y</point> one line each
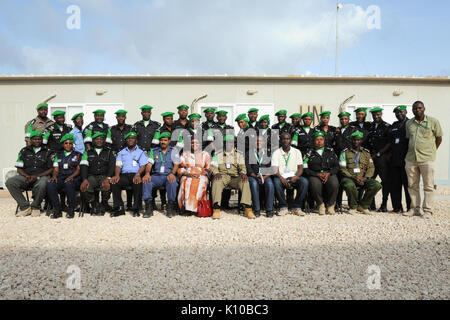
<point>378,154</point>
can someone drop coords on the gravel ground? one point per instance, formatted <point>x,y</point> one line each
<point>189,258</point>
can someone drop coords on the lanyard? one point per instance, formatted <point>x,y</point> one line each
<point>286,160</point>
<point>161,154</point>
<point>356,160</point>
<point>260,160</point>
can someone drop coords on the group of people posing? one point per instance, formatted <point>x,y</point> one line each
<point>190,162</point>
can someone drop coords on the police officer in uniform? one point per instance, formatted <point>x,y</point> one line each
<point>97,167</point>
<point>40,123</point>
<point>304,138</point>
<point>295,128</point>
<point>77,132</point>
<point>245,136</point>
<point>357,169</point>
<point>208,127</point>
<point>54,133</point>
<point>361,124</point>
<point>377,141</point>
<point>330,131</point>
<point>265,132</point>
<point>146,129</point>
<point>65,178</point>
<point>97,126</point>
<point>253,118</point>
<point>343,133</point>
<point>34,167</point>
<point>282,126</point>
<point>182,122</point>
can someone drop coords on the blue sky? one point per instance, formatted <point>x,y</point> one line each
<point>224,37</point>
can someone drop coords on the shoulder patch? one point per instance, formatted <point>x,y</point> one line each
<point>69,126</point>
<point>366,150</point>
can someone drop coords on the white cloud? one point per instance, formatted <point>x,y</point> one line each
<point>195,36</point>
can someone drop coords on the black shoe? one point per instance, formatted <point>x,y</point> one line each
<point>118,212</point>
<point>382,209</point>
<point>171,210</point>
<point>257,214</point>
<point>106,206</point>
<point>148,210</point>
<point>269,214</point>
<point>87,208</point>
<point>56,214</point>
<point>70,213</point>
<point>64,207</point>
<point>136,213</point>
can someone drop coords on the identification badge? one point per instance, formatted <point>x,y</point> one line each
<point>135,163</point>
<point>397,141</point>
<point>287,170</point>
<point>228,166</point>
<point>65,166</point>
<point>357,170</point>
<point>162,169</point>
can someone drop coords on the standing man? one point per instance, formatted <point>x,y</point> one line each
<point>119,131</point>
<point>425,137</point>
<point>97,126</point>
<point>377,141</point>
<point>253,118</point>
<point>282,126</point>
<point>34,166</point>
<point>53,134</point>
<point>295,128</point>
<point>245,135</point>
<point>208,127</point>
<point>40,123</point>
<point>130,166</point>
<point>182,122</point>
<point>77,132</point>
<point>304,139</point>
<point>145,129</point>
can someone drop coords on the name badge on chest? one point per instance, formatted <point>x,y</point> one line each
<point>228,166</point>
<point>397,141</point>
<point>135,164</point>
<point>357,170</point>
<point>162,169</point>
<point>66,166</point>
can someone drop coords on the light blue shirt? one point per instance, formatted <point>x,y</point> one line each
<point>79,141</point>
<point>130,162</point>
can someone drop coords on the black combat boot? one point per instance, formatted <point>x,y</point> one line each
<point>106,206</point>
<point>70,212</point>
<point>148,209</point>
<point>120,211</point>
<point>56,213</point>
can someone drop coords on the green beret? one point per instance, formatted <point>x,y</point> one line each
<point>194,116</point>
<point>344,114</point>
<point>98,134</point>
<point>241,117</point>
<point>58,113</point>
<point>165,135</point>
<point>131,134</point>
<point>68,136</point>
<point>222,113</point>
<point>253,110</point>
<point>400,108</point>
<point>209,110</point>
<point>36,134</point>
<point>358,135</point>
<point>99,112</point>
<point>167,114</point>
<point>319,134</point>
<point>375,110</point>
<point>308,114</point>
<point>295,115</point>
<point>183,106</point>
<point>78,115</point>
<point>228,138</point>
<point>265,117</point>
<point>361,110</point>
<point>119,112</point>
<point>281,113</point>
<point>42,105</point>
<point>146,108</point>
<point>325,114</point>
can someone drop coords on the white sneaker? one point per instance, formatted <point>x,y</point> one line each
<point>24,213</point>
<point>283,212</point>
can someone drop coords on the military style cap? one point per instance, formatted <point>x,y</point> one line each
<point>375,110</point>
<point>167,114</point>
<point>325,114</point>
<point>265,117</point>
<point>357,135</point>
<point>131,134</point>
<point>36,134</point>
<point>98,134</point>
<point>119,112</point>
<point>295,115</point>
<point>183,106</point>
<point>58,113</point>
<point>68,136</point>
<point>253,110</point>
<point>209,110</point>
<point>281,113</point>
<point>241,117</point>
<point>400,108</point>
<point>319,134</point>
<point>344,114</point>
<point>42,105</point>
<point>146,108</point>
<point>78,115</point>
<point>194,116</point>
<point>222,113</point>
<point>361,110</point>
<point>165,135</point>
<point>99,111</point>
<point>228,138</point>
<point>308,114</point>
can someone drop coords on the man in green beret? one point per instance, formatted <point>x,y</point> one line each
<point>34,167</point>
<point>77,132</point>
<point>252,118</point>
<point>282,126</point>
<point>361,124</point>
<point>302,138</point>
<point>209,123</point>
<point>246,137</point>
<point>209,128</point>
<point>98,125</point>
<point>225,129</point>
<point>40,123</point>
<point>378,141</point>
<point>146,129</point>
<point>265,131</point>
<point>182,122</point>
<point>53,134</point>
<point>357,170</point>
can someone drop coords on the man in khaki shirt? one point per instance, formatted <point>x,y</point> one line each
<point>228,168</point>
<point>425,137</point>
<point>40,123</point>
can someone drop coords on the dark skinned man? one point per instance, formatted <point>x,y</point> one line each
<point>208,127</point>
<point>282,126</point>
<point>265,132</point>
<point>34,166</point>
<point>130,167</point>
<point>146,129</point>
<point>295,128</point>
<point>40,123</point>
<point>98,125</point>
<point>253,118</point>
<point>77,132</point>
<point>304,139</point>
<point>53,134</point>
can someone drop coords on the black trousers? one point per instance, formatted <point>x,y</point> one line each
<point>126,180</point>
<point>399,180</point>
<point>382,170</point>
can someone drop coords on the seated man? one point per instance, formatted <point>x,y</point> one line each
<point>228,168</point>
<point>130,166</point>
<point>97,167</point>
<point>259,171</point>
<point>164,162</point>
<point>34,167</point>
<point>65,179</point>
<point>357,169</point>
<point>287,164</point>
<point>321,167</point>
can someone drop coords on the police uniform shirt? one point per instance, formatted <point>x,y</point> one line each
<point>282,127</point>
<point>34,161</point>
<point>67,162</point>
<point>305,139</point>
<point>330,135</point>
<point>98,162</point>
<point>356,164</point>
<point>145,132</point>
<point>343,138</point>
<point>131,161</point>
<point>178,125</point>
<point>53,134</point>
<point>228,163</point>
<point>162,164</point>
<point>363,127</point>
<point>320,161</point>
<point>378,136</point>
<point>37,124</point>
<point>95,127</point>
<point>118,136</point>
<point>399,143</point>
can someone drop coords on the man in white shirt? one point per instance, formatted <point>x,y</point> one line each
<point>287,164</point>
